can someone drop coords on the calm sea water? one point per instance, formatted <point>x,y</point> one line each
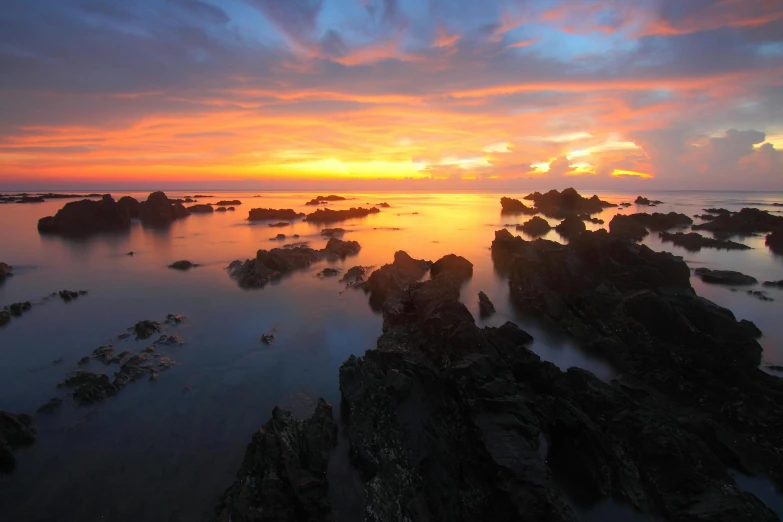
<point>165,450</point>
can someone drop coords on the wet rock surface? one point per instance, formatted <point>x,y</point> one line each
<point>228,203</point>
<point>559,205</point>
<point>627,227</point>
<point>536,226</point>
<point>263,214</point>
<point>86,217</point>
<point>327,215</point>
<point>283,473</point>
<point>273,264</point>
<point>393,278</point>
<point>183,265</point>
<point>486,308</point>
<point>515,206</point>
<point>452,264</point>
<point>694,241</point>
<point>355,275</point>
<point>724,277</point>
<point>159,210</point>
<point>747,221</point>
<point>16,431</point>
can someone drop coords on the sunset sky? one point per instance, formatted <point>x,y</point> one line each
<point>434,93</point>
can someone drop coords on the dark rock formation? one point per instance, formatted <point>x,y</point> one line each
<point>354,276</point>
<point>50,405</point>
<point>89,387</point>
<point>775,241</point>
<point>724,277</point>
<point>283,475</point>
<point>183,264</point>
<point>746,222</point>
<point>328,272</point>
<point>262,214</point>
<point>272,264</point>
<point>201,209</point>
<point>486,308</point>
<point>761,296</point>
<point>15,432</point>
<point>384,205</point>
<point>159,210</point>
<point>455,265</point>
<point>395,277</point>
<point>559,205</point>
<point>279,224</point>
<point>646,202</point>
<point>778,284</point>
<point>718,211</point>
<point>323,199</point>
<point>278,237</point>
<point>514,206</point>
<point>705,217</point>
<point>70,295</point>
<point>85,217</point>
<point>130,206</point>
<point>658,222</point>
<point>5,271</point>
<point>30,199</point>
<point>694,242</point>
<point>145,329</point>
<point>267,338</point>
<point>535,226</point>
<point>570,227</point>
<point>327,215</point>
<point>627,227</point>
<point>228,203</point>
<point>332,232</point>
<point>221,209</point>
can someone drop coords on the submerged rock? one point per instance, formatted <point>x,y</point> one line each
<point>778,284</point>
<point>201,209</point>
<point>70,295</point>
<point>5,271</point>
<point>695,242</point>
<point>646,202</point>
<point>559,205</point>
<point>319,200</point>
<point>89,387</point>
<point>16,431</point>
<point>279,224</point>
<point>85,217</point>
<point>263,214</point>
<point>145,329</point>
<point>747,221</point>
<point>283,474</point>
<point>514,206</point>
<point>724,277</point>
<point>159,210</point>
<point>486,308</point>
<point>535,226</point>
<point>332,232</point>
<point>570,227</point>
<point>182,265</point>
<point>327,215</point>
<point>328,272</point>
<point>762,296</point>
<point>267,338</point>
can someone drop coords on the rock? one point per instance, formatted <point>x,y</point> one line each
<point>226,203</point>
<point>267,338</point>
<point>705,217</point>
<point>747,221</point>
<point>570,227</point>
<point>718,211</point>
<point>15,432</point>
<point>17,309</point>
<point>559,205</point>
<point>175,318</point>
<point>536,226</point>
<point>169,340</point>
<point>354,275</point>
<point>514,206</point>
<point>129,206</point>
<point>384,205</point>
<point>182,265</point>
<point>627,227</point>
<point>486,308</point>
<point>341,248</point>
<point>724,277</point>
<point>279,224</point>
<point>455,266</point>
<point>89,387</point>
<point>760,295</point>
<point>131,253</point>
<point>326,215</point>
<point>646,202</point>
<point>159,210</point>
<point>231,209</point>
<point>68,295</point>
<point>145,329</point>
<point>201,209</point>
<point>323,199</point>
<point>5,271</point>
<point>332,232</point>
<point>85,217</point>
<point>395,277</point>
<point>694,242</point>
<point>133,369</point>
<point>221,209</point>
<point>263,214</point>
<point>30,199</point>
<point>775,241</point>
<point>283,474</point>
<point>658,222</point>
<point>328,272</point>
<point>5,317</point>
<point>778,284</point>
<point>51,405</point>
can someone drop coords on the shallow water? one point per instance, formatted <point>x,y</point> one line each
<point>165,450</point>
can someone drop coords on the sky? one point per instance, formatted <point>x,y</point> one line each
<point>620,94</point>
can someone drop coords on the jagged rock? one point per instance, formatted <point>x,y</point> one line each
<point>323,199</point>
<point>456,266</point>
<point>775,241</point>
<point>514,206</point>
<point>175,318</point>
<point>130,206</point>
<point>145,329</point>
<point>267,338</point>
<point>354,275</point>
<point>228,203</point>
<point>694,242</point>
<point>89,387</point>
<point>17,309</point>
<point>263,214</point>
<point>646,202</point>
<point>341,248</point>
<point>5,271</point>
<point>559,205</point>
<point>332,232</point>
<point>778,284</point>
<point>762,296</point>
<point>724,277</point>
<point>384,205</point>
<point>70,295</point>
<point>15,431</point>
<point>393,278</point>
<point>627,227</point>
<point>535,226</point>
<point>159,210</point>
<point>747,221</point>
<point>85,217</point>
<point>486,308</point>
<point>658,222</point>
<point>327,215</point>
<point>182,265</point>
<point>570,227</point>
<point>201,209</point>
<point>283,475</point>
<point>328,272</point>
